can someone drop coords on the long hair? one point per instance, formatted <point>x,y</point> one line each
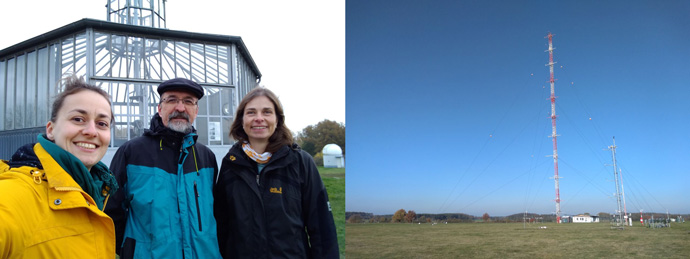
<point>282,135</point>
<point>73,85</point>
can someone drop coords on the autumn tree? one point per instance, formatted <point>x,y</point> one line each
<point>314,137</point>
<point>355,219</point>
<point>410,216</point>
<point>399,216</point>
<point>486,217</point>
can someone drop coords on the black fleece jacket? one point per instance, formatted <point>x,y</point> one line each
<point>283,212</point>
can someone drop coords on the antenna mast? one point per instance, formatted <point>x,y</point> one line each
<point>553,129</point>
<point>618,189</point>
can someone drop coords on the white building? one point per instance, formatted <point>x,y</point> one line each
<point>333,156</point>
<point>585,219</point>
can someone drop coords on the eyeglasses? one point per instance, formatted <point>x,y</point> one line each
<point>189,102</point>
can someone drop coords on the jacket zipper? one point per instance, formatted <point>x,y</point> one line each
<point>198,211</point>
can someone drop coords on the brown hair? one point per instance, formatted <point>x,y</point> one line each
<point>73,85</point>
<point>281,137</point>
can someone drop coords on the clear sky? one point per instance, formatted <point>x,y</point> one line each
<point>299,46</point>
<point>448,110</point>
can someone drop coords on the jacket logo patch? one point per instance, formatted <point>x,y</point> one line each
<point>232,158</point>
<point>278,190</point>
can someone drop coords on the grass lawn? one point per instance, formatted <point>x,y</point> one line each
<point>334,180</point>
<point>511,240</point>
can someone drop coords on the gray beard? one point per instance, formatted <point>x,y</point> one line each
<point>180,126</point>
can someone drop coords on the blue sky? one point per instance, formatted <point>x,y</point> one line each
<point>447,105</point>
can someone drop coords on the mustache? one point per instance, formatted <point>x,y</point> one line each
<point>178,115</point>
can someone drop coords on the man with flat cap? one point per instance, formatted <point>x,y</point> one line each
<point>165,206</point>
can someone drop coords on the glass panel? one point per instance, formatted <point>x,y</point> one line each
<point>203,103</point>
<point>31,92</point>
<point>152,59</point>
<point>80,54</point>
<point>168,60</point>
<point>213,99</point>
<point>223,65</point>
<point>53,77</point>
<point>211,63</point>
<point>43,86</point>
<point>182,63</point>
<point>67,56</point>
<point>227,112</point>
<point>119,59</point>
<point>202,129</point>
<point>227,121</point>
<point>9,99</point>
<point>3,87</point>
<point>20,90</point>
<point>228,107</point>
<point>102,55</point>
<point>135,53</point>
<point>198,63</point>
<point>136,126</point>
<point>120,131</point>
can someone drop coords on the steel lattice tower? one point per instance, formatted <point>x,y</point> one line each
<point>618,188</point>
<point>553,128</point>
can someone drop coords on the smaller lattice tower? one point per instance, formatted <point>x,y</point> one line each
<point>618,184</point>
<point>148,13</point>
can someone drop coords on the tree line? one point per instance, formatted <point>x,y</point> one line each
<point>313,138</point>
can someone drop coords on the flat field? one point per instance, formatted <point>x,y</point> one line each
<point>512,240</point>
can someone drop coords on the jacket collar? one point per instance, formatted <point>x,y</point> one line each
<point>170,137</point>
<point>25,156</point>
<point>279,159</point>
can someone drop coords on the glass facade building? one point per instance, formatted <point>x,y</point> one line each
<point>128,61</point>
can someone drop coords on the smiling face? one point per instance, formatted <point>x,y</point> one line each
<point>178,115</point>
<point>82,126</point>
<point>259,120</point>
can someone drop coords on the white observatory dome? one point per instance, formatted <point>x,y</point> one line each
<point>332,149</point>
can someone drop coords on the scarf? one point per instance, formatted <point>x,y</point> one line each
<point>259,158</point>
<point>98,183</point>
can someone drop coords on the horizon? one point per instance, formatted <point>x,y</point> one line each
<point>528,213</point>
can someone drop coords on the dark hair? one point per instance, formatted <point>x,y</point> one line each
<point>73,85</point>
<point>282,135</point>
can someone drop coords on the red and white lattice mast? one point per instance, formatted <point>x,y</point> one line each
<point>553,129</point>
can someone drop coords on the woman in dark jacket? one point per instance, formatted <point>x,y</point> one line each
<point>269,200</point>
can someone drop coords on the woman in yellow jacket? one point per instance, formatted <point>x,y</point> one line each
<point>52,193</point>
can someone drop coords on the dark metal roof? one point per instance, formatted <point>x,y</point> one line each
<point>148,32</point>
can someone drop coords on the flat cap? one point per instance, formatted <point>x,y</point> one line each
<point>181,84</point>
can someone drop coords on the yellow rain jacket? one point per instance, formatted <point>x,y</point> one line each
<point>44,213</point>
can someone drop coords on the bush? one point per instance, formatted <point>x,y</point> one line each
<point>318,159</point>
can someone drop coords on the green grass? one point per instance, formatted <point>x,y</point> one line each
<point>501,240</point>
<point>334,180</point>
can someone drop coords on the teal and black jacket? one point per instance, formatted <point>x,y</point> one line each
<point>165,206</point>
